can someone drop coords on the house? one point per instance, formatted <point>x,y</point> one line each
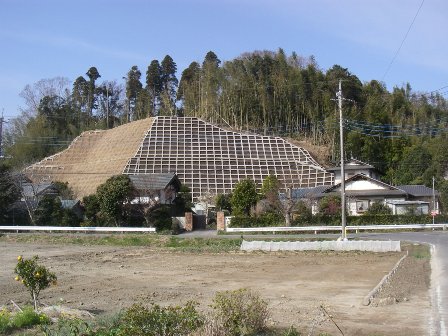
<point>159,188</point>
<point>34,192</point>
<point>352,168</point>
<point>363,188</point>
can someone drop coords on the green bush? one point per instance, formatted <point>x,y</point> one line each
<point>68,327</point>
<point>156,321</point>
<point>265,220</point>
<point>22,319</point>
<point>322,219</point>
<point>241,312</point>
<point>160,218</point>
<point>28,317</point>
<point>5,321</point>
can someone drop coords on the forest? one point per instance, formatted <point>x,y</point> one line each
<point>400,132</point>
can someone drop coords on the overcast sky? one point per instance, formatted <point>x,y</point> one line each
<point>48,38</point>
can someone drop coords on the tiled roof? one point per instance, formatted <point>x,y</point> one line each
<point>32,190</point>
<point>156,181</point>
<point>417,190</point>
<point>309,192</point>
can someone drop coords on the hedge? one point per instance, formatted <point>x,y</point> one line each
<point>271,220</point>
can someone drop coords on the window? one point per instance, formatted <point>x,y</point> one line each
<point>362,205</point>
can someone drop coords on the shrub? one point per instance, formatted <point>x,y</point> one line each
<point>264,220</point>
<point>68,327</point>
<point>5,323</point>
<point>160,218</point>
<point>23,319</point>
<point>29,317</point>
<point>157,321</point>
<point>378,208</point>
<point>291,332</point>
<point>35,277</point>
<point>240,312</point>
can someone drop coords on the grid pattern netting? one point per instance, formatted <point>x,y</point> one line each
<point>211,159</point>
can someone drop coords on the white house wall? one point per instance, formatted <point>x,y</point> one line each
<point>363,185</point>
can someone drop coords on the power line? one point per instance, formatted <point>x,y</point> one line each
<point>402,42</point>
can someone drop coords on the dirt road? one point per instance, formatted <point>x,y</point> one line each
<point>103,279</point>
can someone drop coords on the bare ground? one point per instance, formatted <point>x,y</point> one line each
<point>104,279</point>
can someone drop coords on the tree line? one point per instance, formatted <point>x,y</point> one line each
<point>400,132</point>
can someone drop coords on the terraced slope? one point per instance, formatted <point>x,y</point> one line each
<point>207,158</point>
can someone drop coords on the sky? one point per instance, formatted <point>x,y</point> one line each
<point>43,39</point>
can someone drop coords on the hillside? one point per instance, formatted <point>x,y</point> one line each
<point>205,157</point>
<point>92,158</point>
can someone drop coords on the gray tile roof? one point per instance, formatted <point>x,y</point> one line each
<point>309,192</point>
<point>156,181</point>
<point>32,190</point>
<point>417,190</point>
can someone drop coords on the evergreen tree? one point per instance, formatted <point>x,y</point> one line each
<point>188,91</point>
<point>133,89</point>
<point>80,97</point>
<point>154,85</point>
<point>169,84</point>
<point>244,197</point>
<point>93,75</point>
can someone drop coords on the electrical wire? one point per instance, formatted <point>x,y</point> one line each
<point>402,42</point>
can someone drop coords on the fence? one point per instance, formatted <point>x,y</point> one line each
<point>77,229</point>
<point>355,228</point>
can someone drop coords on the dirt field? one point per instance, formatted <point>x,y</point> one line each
<point>103,279</point>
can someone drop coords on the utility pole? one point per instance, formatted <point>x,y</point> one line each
<point>107,105</point>
<point>433,212</point>
<point>341,138</point>
<point>1,135</point>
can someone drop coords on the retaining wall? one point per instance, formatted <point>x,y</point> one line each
<point>330,245</point>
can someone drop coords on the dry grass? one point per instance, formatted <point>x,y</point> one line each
<point>92,158</point>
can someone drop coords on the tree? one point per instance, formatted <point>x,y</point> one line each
<point>210,84</point>
<point>49,211</point>
<point>64,190</point>
<point>110,102</point>
<point>112,195</point>
<point>270,191</point>
<point>330,205</point>
<point>80,98</point>
<point>154,84</point>
<point>133,89</point>
<point>91,205</point>
<point>9,192</point>
<point>188,90</point>
<point>169,84</point>
<point>34,277</point>
<point>223,202</point>
<point>244,197</point>
<point>33,94</point>
<point>93,75</point>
